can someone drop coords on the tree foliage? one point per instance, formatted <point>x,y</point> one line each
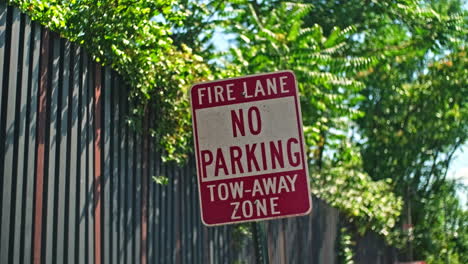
<point>414,100</point>
<point>407,98</point>
<point>368,204</point>
<point>416,111</point>
<point>441,233</point>
<point>275,37</point>
<point>271,38</point>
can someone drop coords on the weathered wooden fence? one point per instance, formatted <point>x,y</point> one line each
<point>75,180</point>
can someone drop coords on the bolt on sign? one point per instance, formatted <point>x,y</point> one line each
<point>249,143</point>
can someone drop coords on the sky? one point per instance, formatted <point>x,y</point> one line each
<point>459,170</point>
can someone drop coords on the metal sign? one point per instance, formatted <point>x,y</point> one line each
<point>411,262</point>
<point>249,143</point>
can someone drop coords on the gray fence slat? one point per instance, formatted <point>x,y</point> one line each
<point>122,180</point>
<point>132,193</point>
<point>211,245</point>
<point>90,167</point>
<point>156,235</point>
<point>33,88</point>
<point>40,188</point>
<point>194,224</point>
<point>211,255</point>
<point>202,230</point>
<point>9,173</point>
<point>225,243</point>
<point>173,208</point>
<point>74,126</point>
<point>191,229</point>
<point>63,170</point>
<point>163,231</point>
<point>169,213</point>
<point>188,214</point>
<point>177,216</point>
<point>164,228</point>
<point>52,152</point>
<point>115,165</point>
<point>184,248</point>
<point>145,163</point>
<point>183,215</point>
<point>137,197</point>
<point>160,192</point>
<point>132,222</point>
<point>196,220</point>
<point>151,211</point>
<point>198,223</point>
<point>21,118</point>
<point>83,138</point>
<point>127,177</point>
<point>186,202</point>
<point>220,244</point>
<point>195,229</point>
<point>155,206</point>
<point>4,28</point>
<point>146,168</point>
<point>3,65</point>
<point>229,243</point>
<point>106,135</point>
<point>206,255</point>
<point>216,253</point>
<point>190,218</point>
<point>216,242</point>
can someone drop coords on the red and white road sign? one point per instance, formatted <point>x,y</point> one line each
<point>249,143</point>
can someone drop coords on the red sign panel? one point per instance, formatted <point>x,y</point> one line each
<point>249,143</point>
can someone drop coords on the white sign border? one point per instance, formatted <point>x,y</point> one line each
<point>303,147</point>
